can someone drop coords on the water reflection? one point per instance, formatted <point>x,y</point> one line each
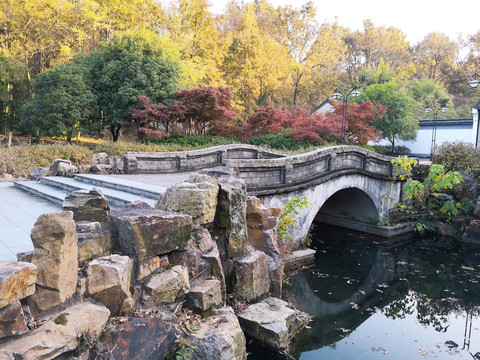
<point>416,301</point>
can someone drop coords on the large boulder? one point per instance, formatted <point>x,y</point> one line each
<point>62,167</point>
<point>167,286</point>
<point>219,337</point>
<point>272,323</point>
<point>144,233</point>
<point>231,215</point>
<point>17,281</point>
<point>109,280</point>
<point>87,205</point>
<point>56,258</point>
<point>83,321</point>
<point>252,277</point>
<point>262,227</point>
<point>12,320</point>
<point>197,197</point>
<point>138,339</point>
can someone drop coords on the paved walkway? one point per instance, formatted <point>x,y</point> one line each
<point>19,211</point>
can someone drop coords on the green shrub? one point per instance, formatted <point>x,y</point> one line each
<point>458,156</point>
<point>194,141</point>
<point>387,150</point>
<point>281,141</point>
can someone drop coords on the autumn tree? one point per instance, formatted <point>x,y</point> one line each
<point>360,118</point>
<point>191,26</point>
<point>206,109</point>
<point>435,54</point>
<point>198,110</point>
<point>265,120</point>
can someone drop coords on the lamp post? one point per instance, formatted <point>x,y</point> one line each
<point>475,83</point>
<point>428,110</point>
<point>337,95</point>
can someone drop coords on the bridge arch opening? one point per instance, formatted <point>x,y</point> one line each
<point>349,204</point>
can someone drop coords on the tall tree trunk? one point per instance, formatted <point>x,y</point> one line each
<point>115,131</point>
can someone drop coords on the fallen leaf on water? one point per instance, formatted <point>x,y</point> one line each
<point>424,352</point>
<point>380,350</point>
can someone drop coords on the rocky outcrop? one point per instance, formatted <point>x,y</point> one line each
<point>82,322</point>
<point>109,282</point>
<point>252,279</point>
<point>262,227</point>
<point>87,205</point>
<point>17,281</point>
<point>272,323</point>
<point>167,286</point>
<point>12,320</point>
<point>143,233</point>
<point>231,215</point>
<point>197,197</point>
<point>56,258</point>
<point>219,337</point>
<point>6,355</point>
<point>138,339</point>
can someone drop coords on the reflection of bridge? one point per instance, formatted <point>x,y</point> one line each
<point>345,310</point>
<point>347,182</point>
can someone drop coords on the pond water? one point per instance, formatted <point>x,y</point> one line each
<point>419,300</point>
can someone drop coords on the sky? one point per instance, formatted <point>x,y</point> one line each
<point>416,18</point>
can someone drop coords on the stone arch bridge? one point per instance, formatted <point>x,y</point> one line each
<point>346,185</point>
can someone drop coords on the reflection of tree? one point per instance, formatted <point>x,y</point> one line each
<point>438,284</point>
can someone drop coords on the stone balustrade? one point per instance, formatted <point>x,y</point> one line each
<point>182,161</point>
<point>294,172</point>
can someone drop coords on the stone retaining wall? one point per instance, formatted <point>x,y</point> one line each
<point>165,162</point>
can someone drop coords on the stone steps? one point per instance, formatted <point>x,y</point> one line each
<point>133,187</point>
<point>118,191</point>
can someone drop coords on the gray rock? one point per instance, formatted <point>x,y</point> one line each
<point>216,267</point>
<point>38,172</point>
<point>87,205</point>
<point>252,278</point>
<point>6,355</point>
<point>12,320</point>
<point>109,280</point>
<point>17,281</point>
<point>138,339</point>
<point>61,167</point>
<point>272,323</point>
<point>51,339</point>
<point>167,286</point>
<point>205,294</point>
<point>94,240</point>
<point>143,233</point>
<point>472,233</point>
<point>231,215</point>
<point>56,258</point>
<point>220,337</point>
<point>197,197</point>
